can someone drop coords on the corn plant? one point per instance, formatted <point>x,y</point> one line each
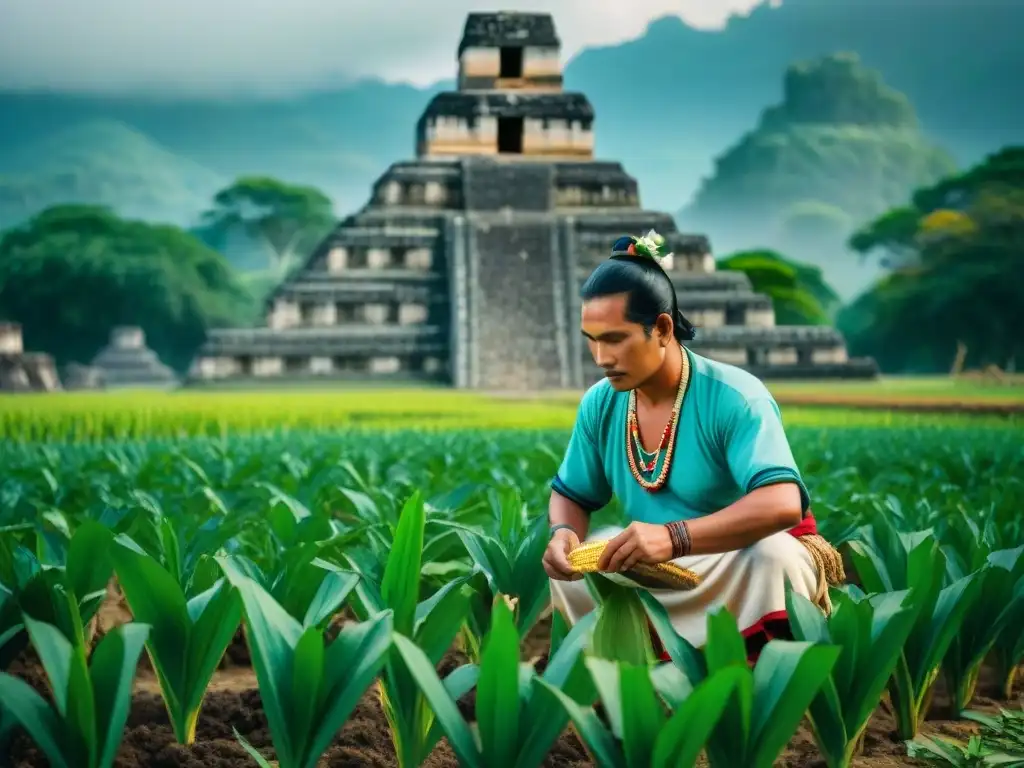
<point>432,624</point>
<point>311,591</point>
<point>508,563</point>
<point>1008,649</point>
<point>308,688</point>
<point>767,704</point>
<point>517,720</point>
<point>645,729</point>
<point>871,632</point>
<point>10,626</point>
<point>1004,731</point>
<point>622,632</point>
<point>986,619</point>
<point>887,560</point>
<point>41,589</point>
<point>1001,743</point>
<point>187,637</point>
<point>954,754</point>
<point>91,695</point>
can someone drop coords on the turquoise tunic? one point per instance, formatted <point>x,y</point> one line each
<point>730,441</point>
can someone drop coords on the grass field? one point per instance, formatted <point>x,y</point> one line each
<point>139,414</point>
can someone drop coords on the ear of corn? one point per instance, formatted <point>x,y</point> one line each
<point>585,558</point>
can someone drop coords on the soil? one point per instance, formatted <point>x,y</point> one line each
<point>233,702</point>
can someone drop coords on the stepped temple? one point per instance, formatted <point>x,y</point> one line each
<point>465,265</point>
<point>127,362</point>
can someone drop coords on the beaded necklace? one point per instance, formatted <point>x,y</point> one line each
<point>668,436</point>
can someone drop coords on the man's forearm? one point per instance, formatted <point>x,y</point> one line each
<point>761,513</point>
<point>562,511</point>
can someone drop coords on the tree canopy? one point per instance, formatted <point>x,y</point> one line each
<point>956,254</point>
<point>73,272</point>
<point>799,293</point>
<point>263,223</point>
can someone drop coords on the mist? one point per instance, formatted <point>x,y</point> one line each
<point>268,47</point>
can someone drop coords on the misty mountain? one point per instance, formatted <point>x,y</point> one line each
<point>105,162</point>
<point>841,148</point>
<point>667,103</point>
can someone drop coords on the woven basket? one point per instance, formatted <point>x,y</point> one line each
<point>584,559</point>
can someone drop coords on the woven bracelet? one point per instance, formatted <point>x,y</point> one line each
<point>551,531</point>
<point>680,536</point>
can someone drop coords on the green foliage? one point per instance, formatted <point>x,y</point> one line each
<point>839,90</point>
<point>957,263</point>
<point>338,496</point>
<point>261,222</point>
<point>799,293</point>
<point>72,273</point>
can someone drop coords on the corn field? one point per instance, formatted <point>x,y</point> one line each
<point>376,598</point>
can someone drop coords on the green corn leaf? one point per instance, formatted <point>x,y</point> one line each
<point>89,567</point>
<point>497,692</point>
<point>307,692</point>
<point>682,653</point>
<point>261,761</point>
<point>450,720</point>
<point>694,719</point>
<point>787,677</point>
<point>518,719</point>
<point>1008,649</point>
<point>400,586</point>
<point>766,705</point>
<point>604,747</point>
<point>983,623</point>
<point>187,639</point>
<point>112,672</point>
<point>634,709</point>
<point>652,738</point>
<point>915,561</point>
<point>542,717</point>
<point>622,632</point>
<point>44,725</point>
<point>432,623</point>
<point>871,633</point>
<point>331,594</point>
<point>84,727</point>
<point>439,617</point>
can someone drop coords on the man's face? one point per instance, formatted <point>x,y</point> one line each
<point>628,356</point>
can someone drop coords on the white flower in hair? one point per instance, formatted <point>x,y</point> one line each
<point>651,244</point>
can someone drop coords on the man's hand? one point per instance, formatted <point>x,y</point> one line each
<point>556,561</point>
<point>639,543</point>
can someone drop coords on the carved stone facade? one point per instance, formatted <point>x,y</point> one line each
<point>464,266</point>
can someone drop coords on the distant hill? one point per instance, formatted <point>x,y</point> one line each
<point>841,148</point>
<point>102,162</point>
<point>667,103</point>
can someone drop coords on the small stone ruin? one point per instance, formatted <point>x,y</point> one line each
<point>22,371</point>
<point>127,362</point>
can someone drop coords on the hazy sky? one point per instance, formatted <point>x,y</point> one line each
<point>282,45</point>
